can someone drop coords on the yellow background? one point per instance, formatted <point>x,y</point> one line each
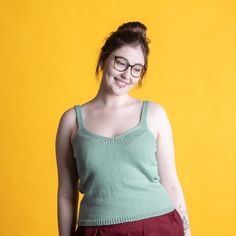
<point>48,52</point>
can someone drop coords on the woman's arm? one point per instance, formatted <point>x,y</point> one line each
<point>67,194</point>
<point>167,168</point>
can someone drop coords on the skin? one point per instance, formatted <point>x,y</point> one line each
<point>116,112</point>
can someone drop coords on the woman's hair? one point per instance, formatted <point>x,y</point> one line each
<point>131,33</point>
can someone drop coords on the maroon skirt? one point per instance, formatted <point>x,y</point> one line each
<point>169,224</point>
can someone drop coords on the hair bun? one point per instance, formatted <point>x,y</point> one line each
<point>134,26</point>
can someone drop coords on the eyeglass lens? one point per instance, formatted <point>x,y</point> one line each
<point>121,64</point>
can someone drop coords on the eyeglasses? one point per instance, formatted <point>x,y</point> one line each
<point>122,64</point>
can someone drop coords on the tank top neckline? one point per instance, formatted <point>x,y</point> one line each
<point>141,124</point>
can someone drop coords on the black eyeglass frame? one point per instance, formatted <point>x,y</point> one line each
<point>128,65</point>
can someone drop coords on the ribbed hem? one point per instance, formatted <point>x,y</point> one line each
<point>123,219</point>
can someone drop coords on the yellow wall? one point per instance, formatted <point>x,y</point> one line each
<point>48,52</point>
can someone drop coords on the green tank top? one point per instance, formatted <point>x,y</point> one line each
<point>118,176</point>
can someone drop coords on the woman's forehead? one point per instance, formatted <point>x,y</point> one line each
<point>133,54</point>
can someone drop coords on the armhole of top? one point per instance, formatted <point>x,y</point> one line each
<point>144,113</point>
<point>144,118</point>
<point>78,128</point>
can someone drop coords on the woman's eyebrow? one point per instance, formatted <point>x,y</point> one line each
<point>129,62</point>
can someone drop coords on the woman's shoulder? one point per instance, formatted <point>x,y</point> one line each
<point>68,120</point>
<point>157,113</point>
<point>155,107</point>
<point>68,116</point>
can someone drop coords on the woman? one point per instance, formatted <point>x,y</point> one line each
<point>121,151</point>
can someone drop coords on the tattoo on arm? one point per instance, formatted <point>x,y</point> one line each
<point>184,220</point>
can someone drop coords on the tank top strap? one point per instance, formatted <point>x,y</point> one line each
<point>143,121</point>
<point>79,117</point>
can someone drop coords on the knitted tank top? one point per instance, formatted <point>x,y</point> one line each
<point>118,176</point>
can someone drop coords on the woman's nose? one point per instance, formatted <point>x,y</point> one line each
<point>127,73</point>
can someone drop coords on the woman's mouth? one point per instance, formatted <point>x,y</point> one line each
<point>120,83</point>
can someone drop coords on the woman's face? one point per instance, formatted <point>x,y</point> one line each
<point>114,79</point>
